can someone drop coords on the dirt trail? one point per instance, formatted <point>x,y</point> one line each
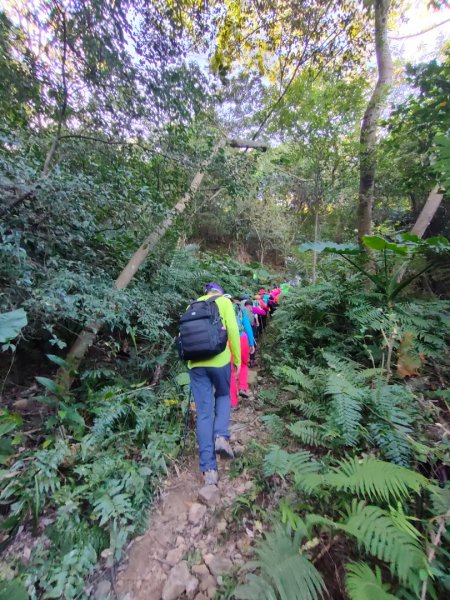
<point>189,546</point>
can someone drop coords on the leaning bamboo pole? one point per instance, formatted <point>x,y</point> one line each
<point>88,334</point>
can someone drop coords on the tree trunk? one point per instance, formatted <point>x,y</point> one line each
<point>428,211</point>
<point>63,108</point>
<point>423,220</point>
<point>316,239</point>
<point>87,336</point>
<point>368,134</point>
<point>242,143</point>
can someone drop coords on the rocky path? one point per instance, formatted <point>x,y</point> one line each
<point>190,546</point>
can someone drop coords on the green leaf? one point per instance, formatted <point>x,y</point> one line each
<point>375,479</point>
<point>410,237</point>
<point>375,242</point>
<point>13,590</point>
<point>363,584</point>
<point>285,572</point>
<point>378,533</point>
<point>49,384</point>
<point>9,422</point>
<point>11,324</point>
<point>330,247</point>
<point>71,416</point>
<point>57,360</point>
<point>183,379</point>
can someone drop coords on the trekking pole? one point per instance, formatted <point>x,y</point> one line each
<point>186,421</point>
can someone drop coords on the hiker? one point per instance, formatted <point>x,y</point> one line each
<point>247,307</point>
<point>210,377</point>
<point>239,383</point>
<point>268,299</point>
<point>257,313</point>
<point>259,302</point>
<point>275,293</point>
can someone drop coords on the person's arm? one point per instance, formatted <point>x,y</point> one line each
<point>231,324</point>
<point>248,329</point>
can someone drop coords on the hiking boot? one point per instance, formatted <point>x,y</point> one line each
<point>211,477</point>
<point>244,394</point>
<point>223,447</point>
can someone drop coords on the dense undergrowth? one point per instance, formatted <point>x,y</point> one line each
<point>106,122</point>
<point>358,413</point>
<point>81,468</point>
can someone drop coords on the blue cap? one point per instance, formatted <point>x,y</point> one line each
<point>212,286</point>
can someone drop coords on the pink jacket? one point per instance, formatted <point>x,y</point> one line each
<point>258,311</point>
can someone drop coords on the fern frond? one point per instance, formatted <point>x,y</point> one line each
<point>275,425</point>
<point>310,408</point>
<point>287,573</point>
<point>377,532</point>
<point>346,406</point>
<point>276,462</point>
<point>297,377</point>
<point>375,479</point>
<point>256,588</point>
<point>302,463</point>
<point>309,432</point>
<point>341,364</point>
<point>363,584</point>
<point>403,522</point>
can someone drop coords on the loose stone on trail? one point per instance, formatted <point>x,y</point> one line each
<point>252,377</point>
<point>218,565</point>
<point>209,495</point>
<point>176,554</point>
<point>196,513</point>
<point>177,582</point>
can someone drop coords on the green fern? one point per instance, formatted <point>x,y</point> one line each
<point>275,425</point>
<point>276,462</point>
<point>375,479</point>
<point>364,584</point>
<point>302,463</point>
<point>309,432</point>
<point>392,442</point>
<point>281,462</point>
<point>346,406</point>
<point>285,573</point>
<point>296,376</point>
<point>312,409</point>
<point>378,533</point>
<point>290,518</point>
<point>67,576</point>
<point>390,421</point>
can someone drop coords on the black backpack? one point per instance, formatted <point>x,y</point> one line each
<point>202,334</point>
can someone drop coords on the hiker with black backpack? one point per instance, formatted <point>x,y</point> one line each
<point>205,330</point>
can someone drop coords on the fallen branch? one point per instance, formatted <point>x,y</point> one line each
<point>240,143</point>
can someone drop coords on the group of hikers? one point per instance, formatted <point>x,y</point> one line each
<point>218,337</point>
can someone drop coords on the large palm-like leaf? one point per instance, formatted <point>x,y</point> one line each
<point>285,573</point>
<point>375,479</point>
<point>380,536</point>
<point>363,584</point>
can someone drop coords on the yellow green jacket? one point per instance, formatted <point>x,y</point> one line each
<point>228,316</point>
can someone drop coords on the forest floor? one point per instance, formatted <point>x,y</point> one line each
<point>195,542</point>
